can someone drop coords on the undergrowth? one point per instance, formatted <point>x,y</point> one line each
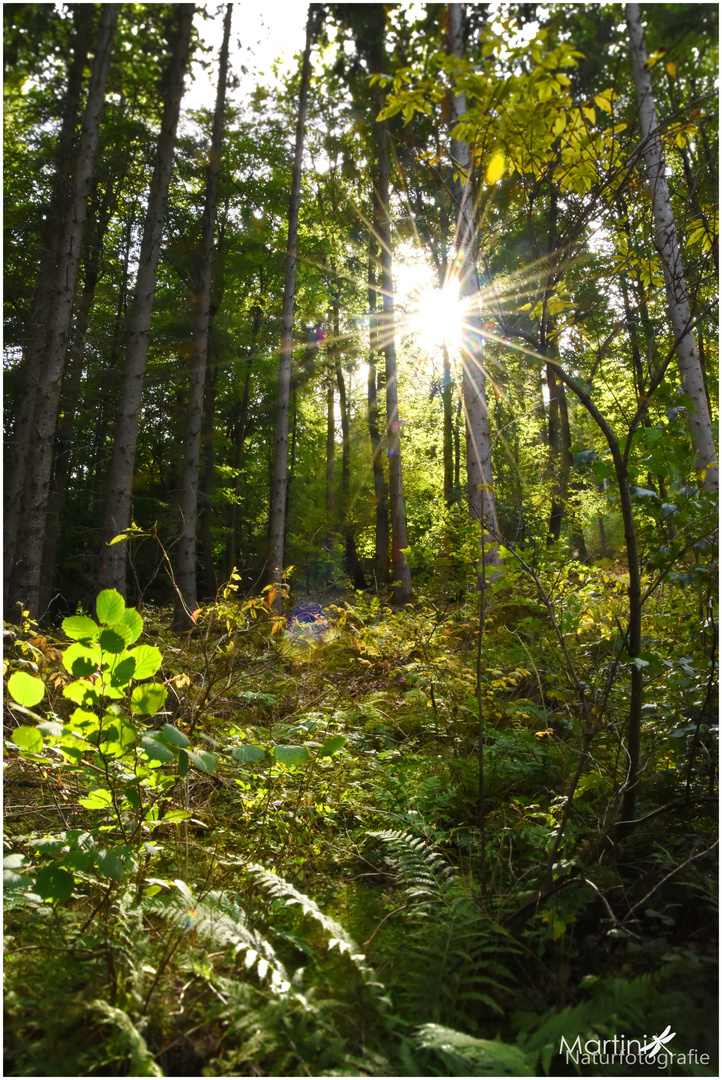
<point>243,851</point>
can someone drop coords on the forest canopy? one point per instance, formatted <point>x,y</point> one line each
<point>368,407</point>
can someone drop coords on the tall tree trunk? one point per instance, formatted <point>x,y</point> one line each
<point>690,368</point>
<point>381,545</point>
<point>480,480</point>
<point>238,436</point>
<point>72,378</point>
<point>277,527</point>
<point>23,438</point>
<point>111,560</point>
<point>205,495</point>
<point>353,567</point>
<point>400,569</point>
<point>185,600</point>
<point>330,473</point>
<point>36,463</point>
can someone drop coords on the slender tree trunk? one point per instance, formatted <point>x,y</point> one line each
<point>23,438</point>
<point>690,368</point>
<point>205,499</point>
<point>353,567</point>
<point>37,469</point>
<point>239,439</point>
<point>381,546</point>
<point>185,601</point>
<point>277,528</point>
<point>480,480</point>
<point>330,473</point>
<point>400,569</point>
<point>111,560</point>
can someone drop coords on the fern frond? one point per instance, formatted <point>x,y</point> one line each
<point>422,871</point>
<point>466,1056</point>
<point>280,889</point>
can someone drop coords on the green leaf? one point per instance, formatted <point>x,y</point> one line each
<point>331,745</point>
<point>54,884</point>
<point>248,753</point>
<point>147,661</point>
<point>195,759</point>
<point>110,865</point>
<point>97,799</point>
<point>209,759</point>
<point>26,689</point>
<point>121,671</point>
<point>110,606</point>
<point>80,628</point>
<point>134,622</point>
<point>176,815</point>
<point>82,660</point>
<point>148,698</point>
<point>291,755</point>
<point>28,738</point>
<point>172,735</point>
<point>113,639</point>
<point>82,693</point>
<point>182,763</point>
<point>156,751</point>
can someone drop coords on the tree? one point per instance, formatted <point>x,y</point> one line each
<point>45,359</point>
<point>690,368</point>
<point>186,601</point>
<point>111,563</point>
<point>480,480</point>
<point>280,457</point>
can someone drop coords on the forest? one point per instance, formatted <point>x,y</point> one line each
<point>360,540</point>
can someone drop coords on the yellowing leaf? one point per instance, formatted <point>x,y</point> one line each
<point>671,69</point>
<point>590,113</point>
<point>603,103</point>
<point>495,169</point>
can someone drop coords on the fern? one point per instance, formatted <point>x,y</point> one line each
<point>422,872</point>
<point>463,1055</point>
<point>280,889</point>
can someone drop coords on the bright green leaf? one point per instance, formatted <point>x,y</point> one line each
<point>80,628</point>
<point>26,689</point>
<point>147,661</point>
<point>110,606</point>
<point>148,698</point>
<point>113,639</point>
<point>97,799</point>
<point>28,738</point>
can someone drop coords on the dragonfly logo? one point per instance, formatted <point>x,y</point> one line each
<point>651,1049</point>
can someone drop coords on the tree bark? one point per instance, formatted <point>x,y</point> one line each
<point>36,462</point>
<point>400,569</point>
<point>381,545</point>
<point>23,439</point>
<point>353,567</point>
<point>185,600</point>
<point>690,368</point>
<point>480,480</point>
<point>279,483</point>
<point>330,473</point>
<point>111,560</point>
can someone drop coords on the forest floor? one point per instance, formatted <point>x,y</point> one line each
<point>305,885</point>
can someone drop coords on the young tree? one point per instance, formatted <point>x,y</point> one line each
<point>280,458</point>
<point>480,480</point>
<point>111,562</point>
<point>185,573</point>
<point>45,359</point>
<point>690,368</point>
